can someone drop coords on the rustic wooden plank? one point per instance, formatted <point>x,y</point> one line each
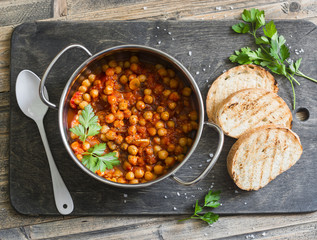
<point>60,8</point>
<point>18,11</point>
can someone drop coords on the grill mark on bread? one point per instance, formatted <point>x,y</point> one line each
<point>273,157</point>
<point>263,163</point>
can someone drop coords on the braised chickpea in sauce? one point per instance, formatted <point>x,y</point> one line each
<point>146,116</point>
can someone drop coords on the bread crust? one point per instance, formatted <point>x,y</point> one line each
<point>233,153</point>
<point>261,79</point>
<point>251,106</point>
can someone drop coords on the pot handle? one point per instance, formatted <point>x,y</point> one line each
<point>47,71</point>
<point>212,162</point>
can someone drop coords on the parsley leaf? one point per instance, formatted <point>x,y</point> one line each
<point>273,53</point>
<point>212,201</point>
<point>88,124</point>
<point>95,159</point>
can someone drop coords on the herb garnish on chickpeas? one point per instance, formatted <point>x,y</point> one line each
<point>145,116</point>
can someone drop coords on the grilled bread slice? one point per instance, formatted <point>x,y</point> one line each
<point>235,79</point>
<point>251,108</point>
<point>261,155</point>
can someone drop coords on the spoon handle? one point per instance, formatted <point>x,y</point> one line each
<point>63,199</point>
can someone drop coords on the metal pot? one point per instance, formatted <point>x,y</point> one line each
<point>146,54</point>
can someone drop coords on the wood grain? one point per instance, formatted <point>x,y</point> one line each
<point>16,226</point>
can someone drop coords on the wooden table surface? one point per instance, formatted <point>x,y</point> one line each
<point>16,226</point>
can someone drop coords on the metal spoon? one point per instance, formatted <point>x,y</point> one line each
<point>27,93</point>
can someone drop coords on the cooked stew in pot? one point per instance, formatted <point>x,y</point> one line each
<point>145,115</point>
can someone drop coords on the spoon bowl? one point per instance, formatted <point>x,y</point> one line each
<point>28,98</point>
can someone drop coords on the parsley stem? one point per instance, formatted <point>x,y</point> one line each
<point>294,79</point>
<point>293,89</point>
<point>299,73</point>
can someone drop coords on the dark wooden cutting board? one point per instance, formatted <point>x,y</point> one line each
<point>211,43</point>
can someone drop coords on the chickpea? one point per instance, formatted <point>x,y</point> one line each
<point>162,154</point>
<point>148,115</point>
<point>133,159</point>
<point>132,149</point>
<point>189,142</point>
<point>169,161</point>
<point>112,146</point>
<point>162,132</point>
<point>158,169</point>
<point>110,72</point>
<point>140,105</point>
<point>104,97</point>
<point>166,81</point>
<point>118,123</point>
<point>110,118</point>
<point>123,79</point>
<point>104,129</point>
<point>94,93</point>
<point>159,125</point>
<point>165,116</point>
<point>134,181</point>
<point>173,83</point>
<point>83,104</point>
<point>187,128</point>
<point>86,145</point>
<point>86,97</point>
<point>119,115</point>
<point>119,139</point>
<point>103,137</point>
<point>180,157</point>
<point>123,105</point>
<point>105,67</point>
<point>152,131</point>
<point>160,109</point>
<point>147,91</point>
<point>148,176</point>
<point>82,89</point>
<point>142,78</point>
<point>162,72</point>
<point>134,59</point>
<point>129,176</point>
<point>124,146</point>
<point>86,83</point>
<point>172,105</point>
<point>118,69</point>
<point>193,115</point>
<point>132,76</point>
<point>186,91</point>
<point>182,142</point>
<point>117,173</point>
<point>171,73</point>
<point>170,124</point>
<point>134,67</point>
<point>73,135</point>
<point>178,149</point>
<point>132,130</point>
<point>112,100</point>
<point>157,140</point>
<point>142,121</point>
<point>133,119</point>
<point>167,92</point>
<point>108,90</point>
<point>112,63</point>
<point>126,64</point>
<point>171,148</point>
<point>139,173</point>
<point>134,110</point>
<point>158,66</point>
<point>127,113</point>
<point>121,180</point>
<point>110,135</point>
<point>126,166</point>
<point>91,77</point>
<point>186,103</point>
<point>174,96</point>
<point>79,157</point>
<point>78,100</point>
<point>148,99</point>
<point>134,84</point>
<point>157,148</point>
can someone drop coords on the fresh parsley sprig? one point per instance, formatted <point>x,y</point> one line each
<point>272,52</point>
<point>212,201</point>
<point>96,159</point>
<point>88,124</point>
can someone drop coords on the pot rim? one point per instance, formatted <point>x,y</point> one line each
<point>169,58</point>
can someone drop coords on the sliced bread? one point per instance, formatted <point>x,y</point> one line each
<point>235,79</point>
<point>261,155</point>
<point>251,108</point>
